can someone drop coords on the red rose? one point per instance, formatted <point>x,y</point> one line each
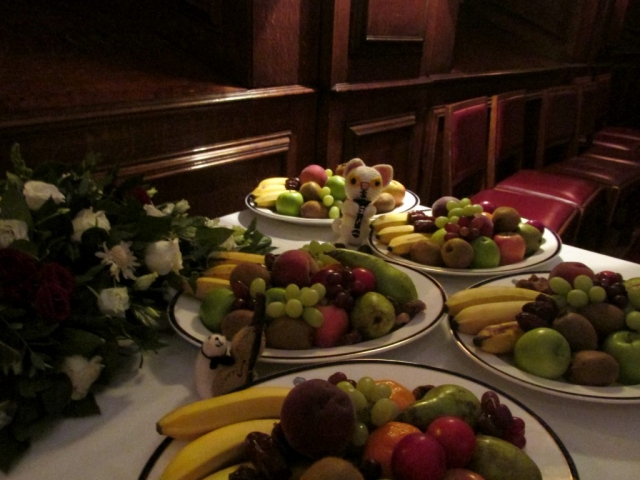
<point>52,303</point>
<point>17,275</point>
<point>140,194</point>
<point>54,273</point>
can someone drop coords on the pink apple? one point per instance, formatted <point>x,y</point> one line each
<point>313,173</point>
<point>570,270</point>
<point>363,281</point>
<point>334,326</point>
<point>293,266</point>
<point>418,456</point>
<point>462,474</point>
<point>512,247</point>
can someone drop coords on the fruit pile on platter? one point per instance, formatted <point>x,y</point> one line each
<point>578,325</point>
<point>316,193</point>
<point>317,296</point>
<point>349,429</point>
<point>458,234</point>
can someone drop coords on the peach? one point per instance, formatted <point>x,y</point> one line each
<point>313,173</point>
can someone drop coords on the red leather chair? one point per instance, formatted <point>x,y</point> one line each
<point>506,145</point>
<point>464,167</point>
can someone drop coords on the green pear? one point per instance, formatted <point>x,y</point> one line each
<point>373,315</point>
<point>215,305</point>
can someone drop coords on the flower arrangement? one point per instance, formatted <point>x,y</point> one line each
<point>87,264</point>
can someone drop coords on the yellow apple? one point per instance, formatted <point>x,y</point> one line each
<point>397,191</point>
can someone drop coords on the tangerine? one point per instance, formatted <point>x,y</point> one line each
<point>401,395</point>
<point>381,442</point>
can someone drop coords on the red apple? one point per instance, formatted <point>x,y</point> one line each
<point>570,270</point>
<point>363,281</point>
<point>418,456</point>
<point>461,474</point>
<point>456,437</point>
<point>293,266</point>
<point>512,247</point>
<point>333,328</point>
<point>313,173</point>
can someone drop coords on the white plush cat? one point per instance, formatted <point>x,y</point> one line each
<point>363,185</point>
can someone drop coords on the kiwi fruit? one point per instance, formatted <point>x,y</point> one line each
<point>606,318</point>
<point>234,321</point>
<point>247,272</point>
<point>593,367</point>
<point>288,333</point>
<point>313,209</point>
<point>578,331</point>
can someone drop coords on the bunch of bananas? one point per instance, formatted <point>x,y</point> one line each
<point>489,313</point>
<point>217,276</point>
<point>216,428</point>
<point>268,190</point>
<point>396,232</point>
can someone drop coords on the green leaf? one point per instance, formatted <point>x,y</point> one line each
<point>152,229</point>
<point>79,342</point>
<point>11,449</point>
<point>14,206</point>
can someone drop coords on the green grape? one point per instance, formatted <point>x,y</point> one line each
<point>465,201</point>
<point>469,210</point>
<point>327,247</point>
<point>345,386</point>
<point>560,300</point>
<point>597,294</point>
<point>583,282</point>
<point>577,298</point>
<point>441,221</point>
<point>275,310</point>
<point>313,316</point>
<point>451,204</point>
<point>327,200</point>
<point>365,385</point>
<point>560,286</point>
<point>456,212</point>
<point>294,308</point>
<point>329,172</point>
<point>360,434</point>
<point>320,288</point>
<point>633,320</point>
<point>454,219</point>
<point>309,297</point>
<point>338,203</point>
<point>478,208</point>
<point>334,212</point>
<point>292,291</point>
<point>258,285</point>
<point>358,399</point>
<point>383,411</point>
<point>324,191</point>
<point>379,391</point>
<point>314,247</point>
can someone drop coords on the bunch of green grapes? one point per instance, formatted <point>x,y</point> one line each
<point>580,294</point>
<point>458,209</point>
<point>319,251</point>
<point>295,302</point>
<point>372,404</point>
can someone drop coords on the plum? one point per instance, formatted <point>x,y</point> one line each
<point>317,419</point>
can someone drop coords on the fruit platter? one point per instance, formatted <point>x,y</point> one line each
<point>569,331</point>
<point>321,303</point>
<point>456,237</point>
<point>314,198</point>
<point>362,420</point>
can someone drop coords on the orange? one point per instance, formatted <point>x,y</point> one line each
<point>399,394</point>
<point>381,442</point>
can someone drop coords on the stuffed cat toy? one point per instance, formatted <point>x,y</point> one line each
<point>363,186</point>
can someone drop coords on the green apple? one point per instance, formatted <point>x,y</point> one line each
<point>336,184</point>
<point>543,352</point>
<point>532,238</point>
<point>624,346</point>
<point>633,293</point>
<point>215,305</point>
<point>486,253</point>
<point>289,203</point>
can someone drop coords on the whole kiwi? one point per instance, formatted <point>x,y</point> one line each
<point>606,318</point>
<point>593,367</point>
<point>578,331</point>
<point>288,333</point>
<point>246,272</point>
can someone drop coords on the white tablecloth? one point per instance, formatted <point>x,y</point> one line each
<point>603,439</point>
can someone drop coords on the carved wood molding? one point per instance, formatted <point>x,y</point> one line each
<point>213,155</point>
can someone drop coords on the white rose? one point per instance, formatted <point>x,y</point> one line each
<point>82,373</point>
<point>152,211</point>
<point>11,230</point>
<point>182,206</point>
<point>86,219</point>
<point>37,193</point>
<point>114,301</point>
<point>164,256</point>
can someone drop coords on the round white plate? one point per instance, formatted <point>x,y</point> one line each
<point>550,248</point>
<point>184,318</point>
<point>410,201</point>
<point>543,445</point>
<point>504,366</point>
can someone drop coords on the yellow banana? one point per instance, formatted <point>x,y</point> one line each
<point>473,319</point>
<point>203,416</point>
<point>402,245</point>
<point>205,285</point>
<point>487,294</point>
<point>213,451</point>
<point>267,200</point>
<point>499,338</point>
<point>268,189</point>
<point>389,220</point>
<point>222,270</point>
<point>237,257</point>
<point>389,233</point>
<point>273,181</point>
